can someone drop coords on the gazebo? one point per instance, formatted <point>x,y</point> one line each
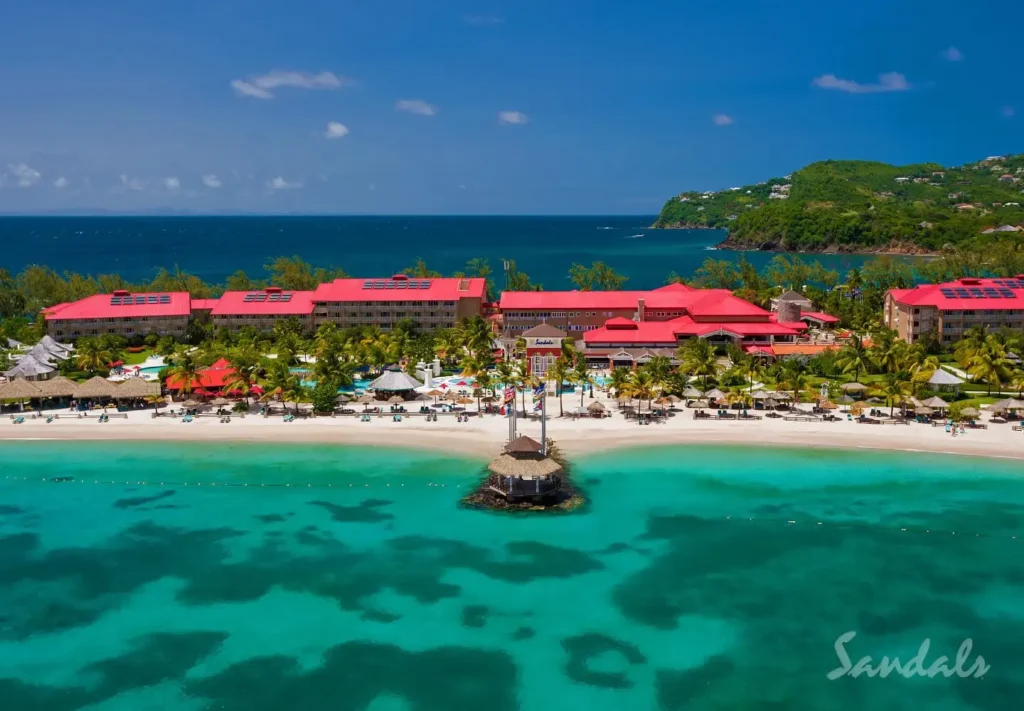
<point>57,387</point>
<point>943,379</point>
<point>524,473</point>
<point>136,388</point>
<point>853,387</point>
<point>393,382</point>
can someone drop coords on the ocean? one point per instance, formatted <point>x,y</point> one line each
<point>252,577</point>
<point>214,247</point>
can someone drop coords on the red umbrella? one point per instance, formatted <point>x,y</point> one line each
<point>256,390</point>
<point>461,383</point>
<point>202,392</point>
<point>443,386</point>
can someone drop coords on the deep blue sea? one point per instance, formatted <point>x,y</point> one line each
<point>260,577</point>
<point>214,247</point>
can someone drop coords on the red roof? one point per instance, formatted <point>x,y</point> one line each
<point>819,316</point>
<point>211,378</point>
<point>263,303</point>
<point>123,305</point>
<point>401,288</point>
<point>999,294</point>
<point>203,304</point>
<point>669,332</point>
<point>700,303</point>
<point>620,322</point>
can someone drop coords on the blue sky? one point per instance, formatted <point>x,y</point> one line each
<point>507,107</point>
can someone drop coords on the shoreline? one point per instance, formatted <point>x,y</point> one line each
<point>483,438</point>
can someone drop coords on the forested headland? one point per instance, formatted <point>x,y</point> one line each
<point>863,206</point>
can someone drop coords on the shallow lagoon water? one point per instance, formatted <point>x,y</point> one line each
<point>349,578</point>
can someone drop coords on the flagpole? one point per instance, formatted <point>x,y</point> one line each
<point>544,426</point>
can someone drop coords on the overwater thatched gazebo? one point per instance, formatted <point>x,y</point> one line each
<point>93,388</point>
<point>524,473</point>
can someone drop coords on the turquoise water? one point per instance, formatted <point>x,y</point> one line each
<point>153,369</point>
<point>363,585</point>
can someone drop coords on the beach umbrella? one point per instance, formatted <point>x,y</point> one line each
<point>421,397</point>
<point>936,402</point>
<point>692,392</point>
<point>464,401</point>
<point>395,399</point>
<point>191,402</point>
<point>853,387</point>
<point>220,402</point>
<point>714,394</point>
<point>760,395</point>
<point>453,396</point>
<point>970,412</point>
<point>826,405</point>
<point>595,407</point>
<point>341,399</point>
<point>923,410</point>
<point>846,399</point>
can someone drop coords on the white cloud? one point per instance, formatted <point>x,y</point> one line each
<point>512,117</point>
<point>953,54</point>
<point>60,182</point>
<point>26,175</point>
<point>262,86</point>
<point>132,183</point>
<point>336,130</point>
<point>280,183</point>
<point>211,181</point>
<point>722,120</point>
<point>172,183</point>
<point>416,106</point>
<point>483,20</point>
<point>892,81</point>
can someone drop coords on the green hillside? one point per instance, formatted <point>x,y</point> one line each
<point>852,206</point>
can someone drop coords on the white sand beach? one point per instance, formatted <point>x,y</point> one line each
<point>484,435</point>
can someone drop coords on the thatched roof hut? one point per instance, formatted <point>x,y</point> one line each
<point>524,445</point>
<point>136,387</point>
<point>942,378</point>
<point>596,406</point>
<point>57,387</point>
<point>54,346</point>
<point>394,381</point>
<point>40,353</point>
<point>853,387</point>
<point>525,467</point>
<point>29,367</point>
<point>95,387</point>
<point>19,390</point>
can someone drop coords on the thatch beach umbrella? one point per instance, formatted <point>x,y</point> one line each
<point>853,387</point>
<point>714,394</point>
<point>220,402</point>
<point>970,412</point>
<point>595,407</point>
<point>341,399</point>
<point>692,392</point>
<point>395,399</point>
<point>923,410</point>
<point>366,399</point>
<point>826,405</point>
<point>95,387</point>
<point>935,402</point>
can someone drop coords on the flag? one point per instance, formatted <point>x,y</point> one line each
<point>538,407</point>
<point>539,390</point>
<point>510,394</point>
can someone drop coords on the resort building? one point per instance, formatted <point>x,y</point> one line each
<point>543,347</point>
<point>258,309</point>
<point>120,313</point>
<point>627,328</point>
<point>430,303</point>
<point>952,308</point>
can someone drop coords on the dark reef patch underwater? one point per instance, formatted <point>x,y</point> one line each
<point>723,582</point>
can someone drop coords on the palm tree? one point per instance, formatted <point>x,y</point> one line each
<point>525,380</point>
<point>854,356</point>
<point>921,365</point>
<point>482,381</point>
<point>660,368</point>
<point>91,356</point>
<point>989,363</point>
<point>282,384</point>
<point>186,367</point>
<point>581,376</point>
<point>247,364</point>
<point>890,353</point>
<point>641,386</point>
<point>1017,382</point>
<point>505,371</point>
<point>968,346</point>
<point>697,357</point>
<point>618,379</point>
<point>751,368</point>
<point>560,372</point>
<point>894,388</point>
<point>739,395</point>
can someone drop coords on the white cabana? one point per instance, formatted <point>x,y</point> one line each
<point>394,381</point>
<point>942,378</point>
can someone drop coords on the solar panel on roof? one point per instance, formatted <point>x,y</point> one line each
<point>249,297</point>
<point>286,297</point>
<point>165,299</point>
<point>274,297</point>
<point>1007,293</point>
<point>261,297</point>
